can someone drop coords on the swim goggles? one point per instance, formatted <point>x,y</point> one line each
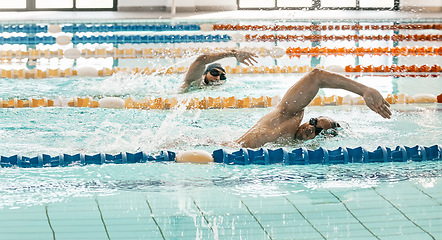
<point>314,122</point>
<point>215,72</point>
<point>332,131</point>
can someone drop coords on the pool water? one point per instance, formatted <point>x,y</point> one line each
<point>71,130</point>
<point>215,201</point>
<point>188,201</point>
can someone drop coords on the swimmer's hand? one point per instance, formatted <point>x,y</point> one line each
<point>245,57</point>
<point>375,101</point>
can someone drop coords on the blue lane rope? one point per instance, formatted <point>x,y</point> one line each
<point>23,28</point>
<point>130,28</point>
<point>133,39</point>
<point>303,156</point>
<point>137,39</point>
<point>101,28</point>
<point>263,156</point>
<point>27,40</point>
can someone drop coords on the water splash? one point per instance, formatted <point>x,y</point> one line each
<point>126,84</point>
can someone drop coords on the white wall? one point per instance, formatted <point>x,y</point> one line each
<point>231,4</point>
<point>179,3</point>
<point>215,3</point>
<point>141,3</point>
<point>421,3</point>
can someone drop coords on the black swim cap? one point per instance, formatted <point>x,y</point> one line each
<point>331,131</point>
<point>217,66</point>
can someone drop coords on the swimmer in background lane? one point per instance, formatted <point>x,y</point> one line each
<point>285,120</point>
<point>214,74</point>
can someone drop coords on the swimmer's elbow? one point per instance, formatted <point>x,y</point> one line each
<point>316,71</point>
<point>249,144</point>
<point>203,59</point>
<point>286,110</point>
<point>320,77</point>
<point>246,141</point>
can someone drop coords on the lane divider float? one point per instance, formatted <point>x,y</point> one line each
<point>76,28</point>
<point>146,103</point>
<point>361,51</point>
<point>357,38</point>
<point>274,52</point>
<point>161,27</point>
<point>263,156</point>
<point>74,53</point>
<point>320,27</point>
<point>392,71</point>
<point>115,39</point>
<point>206,102</point>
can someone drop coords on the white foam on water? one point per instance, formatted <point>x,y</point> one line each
<point>130,84</point>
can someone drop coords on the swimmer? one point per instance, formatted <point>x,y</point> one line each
<point>285,120</point>
<point>213,74</point>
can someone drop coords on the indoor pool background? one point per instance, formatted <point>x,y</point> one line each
<point>189,201</point>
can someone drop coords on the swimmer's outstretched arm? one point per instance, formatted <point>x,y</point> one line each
<point>197,68</point>
<point>303,92</point>
<point>287,116</point>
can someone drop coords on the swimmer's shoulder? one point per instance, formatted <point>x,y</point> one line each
<point>195,85</point>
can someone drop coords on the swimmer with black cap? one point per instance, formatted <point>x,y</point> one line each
<point>284,121</point>
<point>213,74</point>
<point>316,126</point>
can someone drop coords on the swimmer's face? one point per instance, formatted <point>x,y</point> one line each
<point>305,132</point>
<point>214,76</point>
<point>311,129</point>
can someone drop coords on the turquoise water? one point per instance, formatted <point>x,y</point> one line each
<point>22,188</point>
<point>213,201</point>
<point>71,130</point>
<point>189,201</point>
